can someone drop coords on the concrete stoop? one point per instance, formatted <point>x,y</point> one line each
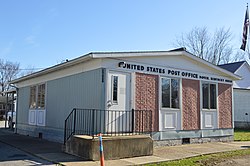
<point>115,147</point>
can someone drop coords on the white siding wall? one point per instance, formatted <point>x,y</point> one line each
<point>244,72</point>
<point>83,90</point>
<point>23,105</point>
<point>241,105</point>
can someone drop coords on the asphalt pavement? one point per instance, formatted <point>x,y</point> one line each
<point>15,157</point>
<point>52,151</point>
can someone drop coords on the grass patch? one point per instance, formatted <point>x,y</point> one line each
<point>241,135</point>
<point>205,159</point>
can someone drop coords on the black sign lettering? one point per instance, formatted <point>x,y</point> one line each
<point>170,72</point>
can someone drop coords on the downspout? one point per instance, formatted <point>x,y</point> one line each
<point>232,100</point>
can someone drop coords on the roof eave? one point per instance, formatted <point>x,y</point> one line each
<point>132,54</point>
<point>124,54</point>
<point>54,68</point>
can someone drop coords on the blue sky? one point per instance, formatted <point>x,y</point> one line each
<point>42,33</point>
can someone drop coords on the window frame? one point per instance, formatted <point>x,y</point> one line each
<point>209,96</point>
<point>37,97</point>
<point>114,102</point>
<point>170,94</point>
<point>33,97</point>
<point>41,96</point>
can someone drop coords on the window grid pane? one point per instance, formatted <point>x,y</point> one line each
<point>33,97</point>
<point>174,93</point>
<point>209,96</point>
<point>170,93</point>
<point>165,86</point>
<point>41,96</point>
<point>205,96</point>
<point>115,89</point>
<point>213,96</point>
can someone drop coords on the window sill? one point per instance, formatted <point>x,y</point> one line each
<point>170,109</point>
<point>209,110</point>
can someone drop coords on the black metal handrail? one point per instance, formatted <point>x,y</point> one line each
<point>108,122</point>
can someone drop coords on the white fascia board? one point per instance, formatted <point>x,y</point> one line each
<point>134,54</point>
<point>54,68</point>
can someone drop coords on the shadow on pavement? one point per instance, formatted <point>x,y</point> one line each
<point>47,150</point>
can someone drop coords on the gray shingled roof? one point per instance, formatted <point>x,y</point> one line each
<point>232,67</point>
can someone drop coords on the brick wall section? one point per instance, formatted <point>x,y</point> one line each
<point>191,104</point>
<point>146,96</point>
<point>225,105</point>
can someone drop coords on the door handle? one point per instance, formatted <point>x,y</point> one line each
<point>109,103</point>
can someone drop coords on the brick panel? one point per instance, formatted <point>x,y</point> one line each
<point>225,105</point>
<point>191,104</point>
<point>146,96</point>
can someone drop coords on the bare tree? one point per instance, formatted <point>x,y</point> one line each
<point>8,71</point>
<point>214,48</point>
<point>235,57</point>
<point>220,46</point>
<point>196,41</point>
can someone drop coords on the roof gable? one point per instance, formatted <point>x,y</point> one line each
<point>232,67</point>
<point>176,52</point>
<point>242,69</point>
<point>103,55</point>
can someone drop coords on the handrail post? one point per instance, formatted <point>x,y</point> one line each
<point>133,120</point>
<point>151,124</point>
<point>143,122</point>
<point>65,125</point>
<point>93,123</point>
<point>151,117</point>
<point>74,129</point>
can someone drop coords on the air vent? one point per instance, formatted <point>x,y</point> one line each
<point>185,140</point>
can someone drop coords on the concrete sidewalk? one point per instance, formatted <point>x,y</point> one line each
<point>51,151</point>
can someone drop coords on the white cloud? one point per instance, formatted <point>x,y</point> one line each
<point>30,39</point>
<point>7,49</point>
<point>53,12</point>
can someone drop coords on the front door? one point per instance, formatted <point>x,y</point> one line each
<point>118,102</point>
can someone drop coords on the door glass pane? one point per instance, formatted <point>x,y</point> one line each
<point>212,96</point>
<point>174,93</point>
<point>205,95</point>
<point>115,89</point>
<point>165,86</point>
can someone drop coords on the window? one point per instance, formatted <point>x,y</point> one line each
<point>37,97</point>
<point>33,97</point>
<point>114,89</point>
<point>170,93</point>
<point>209,96</point>
<point>41,96</point>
